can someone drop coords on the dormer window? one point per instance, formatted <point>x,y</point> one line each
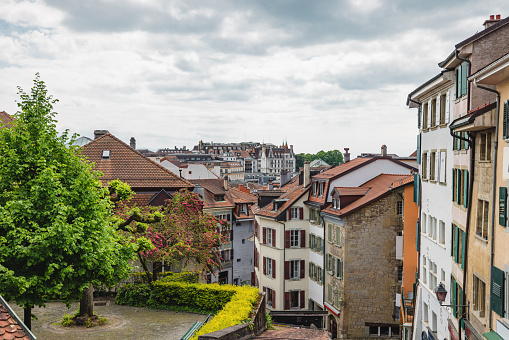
<point>314,188</point>
<point>320,193</point>
<point>219,198</point>
<point>335,203</point>
<point>106,154</point>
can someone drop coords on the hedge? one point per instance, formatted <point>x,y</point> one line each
<point>232,304</point>
<point>189,277</point>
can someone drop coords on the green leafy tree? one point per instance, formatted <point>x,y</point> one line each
<point>332,157</point>
<point>56,235</point>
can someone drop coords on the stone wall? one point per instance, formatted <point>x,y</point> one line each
<point>370,266</point>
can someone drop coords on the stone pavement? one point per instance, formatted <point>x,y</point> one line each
<point>293,333</point>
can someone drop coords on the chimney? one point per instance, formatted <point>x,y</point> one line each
<point>132,142</point>
<point>99,133</point>
<point>346,156</point>
<point>271,186</point>
<point>384,150</point>
<point>285,177</point>
<point>225,182</point>
<point>307,175</point>
<point>492,21</point>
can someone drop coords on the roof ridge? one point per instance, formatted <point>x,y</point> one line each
<point>128,147</point>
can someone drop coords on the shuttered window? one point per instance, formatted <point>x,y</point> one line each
<point>497,291</point>
<point>505,127</point>
<point>502,206</point>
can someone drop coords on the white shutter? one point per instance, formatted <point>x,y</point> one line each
<point>429,114</point>
<point>442,166</point>
<point>437,166</point>
<point>437,110</point>
<point>428,165</point>
<point>447,104</point>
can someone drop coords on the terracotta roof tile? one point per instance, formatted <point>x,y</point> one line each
<point>130,166</point>
<point>378,187</point>
<point>354,191</point>
<point>11,327</point>
<point>212,188</point>
<point>5,119</point>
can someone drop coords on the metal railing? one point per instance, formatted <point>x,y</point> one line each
<point>194,328</point>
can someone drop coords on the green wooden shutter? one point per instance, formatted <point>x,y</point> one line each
<point>458,82</point>
<point>464,82</point>
<point>465,188</point>
<point>506,119</point>
<point>497,290</point>
<point>417,234</point>
<point>502,204</point>
<point>463,241</point>
<point>454,179</point>
<point>459,189</point>
<point>452,239</point>
<point>416,188</point>
<point>454,301</point>
<point>456,243</point>
<point>419,149</point>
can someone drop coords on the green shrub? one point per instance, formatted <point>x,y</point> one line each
<point>133,294</point>
<point>189,277</point>
<point>235,312</point>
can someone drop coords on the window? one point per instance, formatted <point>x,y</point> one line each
<point>316,273</point>
<point>458,245</point>
<point>339,269</point>
<point>482,219</point>
<point>460,187</point>
<point>442,166</point>
<point>294,298</point>
<point>461,80</point>
<point>271,297</point>
<point>294,238</point>
<point>432,269</point>
<point>433,112</point>
<point>424,168</point>
<point>314,188</point>
<point>425,312</point>
<point>294,269</point>
<point>485,147</point>
<point>505,125</point>
<point>399,208</point>
<point>384,331</point>
<point>269,236</point>
<point>268,266</point>
<point>432,167</point>
<point>425,116</point>
<point>316,243</point>
<point>432,227</point>
<point>441,235</point>
<point>320,192</point>
<point>338,236</point>
<point>433,322</point>
<point>329,232</point>
<point>457,297</point>
<point>226,255</point>
<point>479,296</point>
<point>106,154</point>
<point>400,273</point>
<point>295,213</point>
<point>330,264</point>
<point>443,108</point>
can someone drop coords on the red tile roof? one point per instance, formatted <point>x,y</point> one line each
<point>378,187</point>
<point>11,327</point>
<point>130,166</point>
<point>355,191</point>
<point>213,187</point>
<point>292,191</point>
<point>5,119</point>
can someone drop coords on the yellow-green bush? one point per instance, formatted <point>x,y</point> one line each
<point>235,312</point>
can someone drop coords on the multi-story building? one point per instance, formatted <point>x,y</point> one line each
<point>497,74</point>
<point>434,149</point>
<point>243,243</point>
<point>327,250</point>
<point>281,254</point>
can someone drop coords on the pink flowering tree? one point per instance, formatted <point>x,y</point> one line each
<point>184,234</point>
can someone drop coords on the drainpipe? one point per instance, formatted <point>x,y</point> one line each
<point>495,158</point>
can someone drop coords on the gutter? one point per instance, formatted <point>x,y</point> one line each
<point>495,159</point>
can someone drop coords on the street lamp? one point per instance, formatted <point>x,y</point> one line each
<point>441,294</point>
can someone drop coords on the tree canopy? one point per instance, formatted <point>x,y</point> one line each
<point>332,157</point>
<point>184,234</point>
<point>56,235</point>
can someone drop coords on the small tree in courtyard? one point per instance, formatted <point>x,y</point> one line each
<point>56,235</point>
<point>185,234</point>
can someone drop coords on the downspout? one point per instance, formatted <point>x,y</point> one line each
<point>495,158</point>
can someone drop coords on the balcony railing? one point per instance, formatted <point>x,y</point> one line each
<point>407,308</point>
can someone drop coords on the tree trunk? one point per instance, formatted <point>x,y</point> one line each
<point>87,302</point>
<point>27,316</point>
<point>148,275</point>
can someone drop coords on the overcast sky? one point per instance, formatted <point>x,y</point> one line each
<point>321,75</point>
